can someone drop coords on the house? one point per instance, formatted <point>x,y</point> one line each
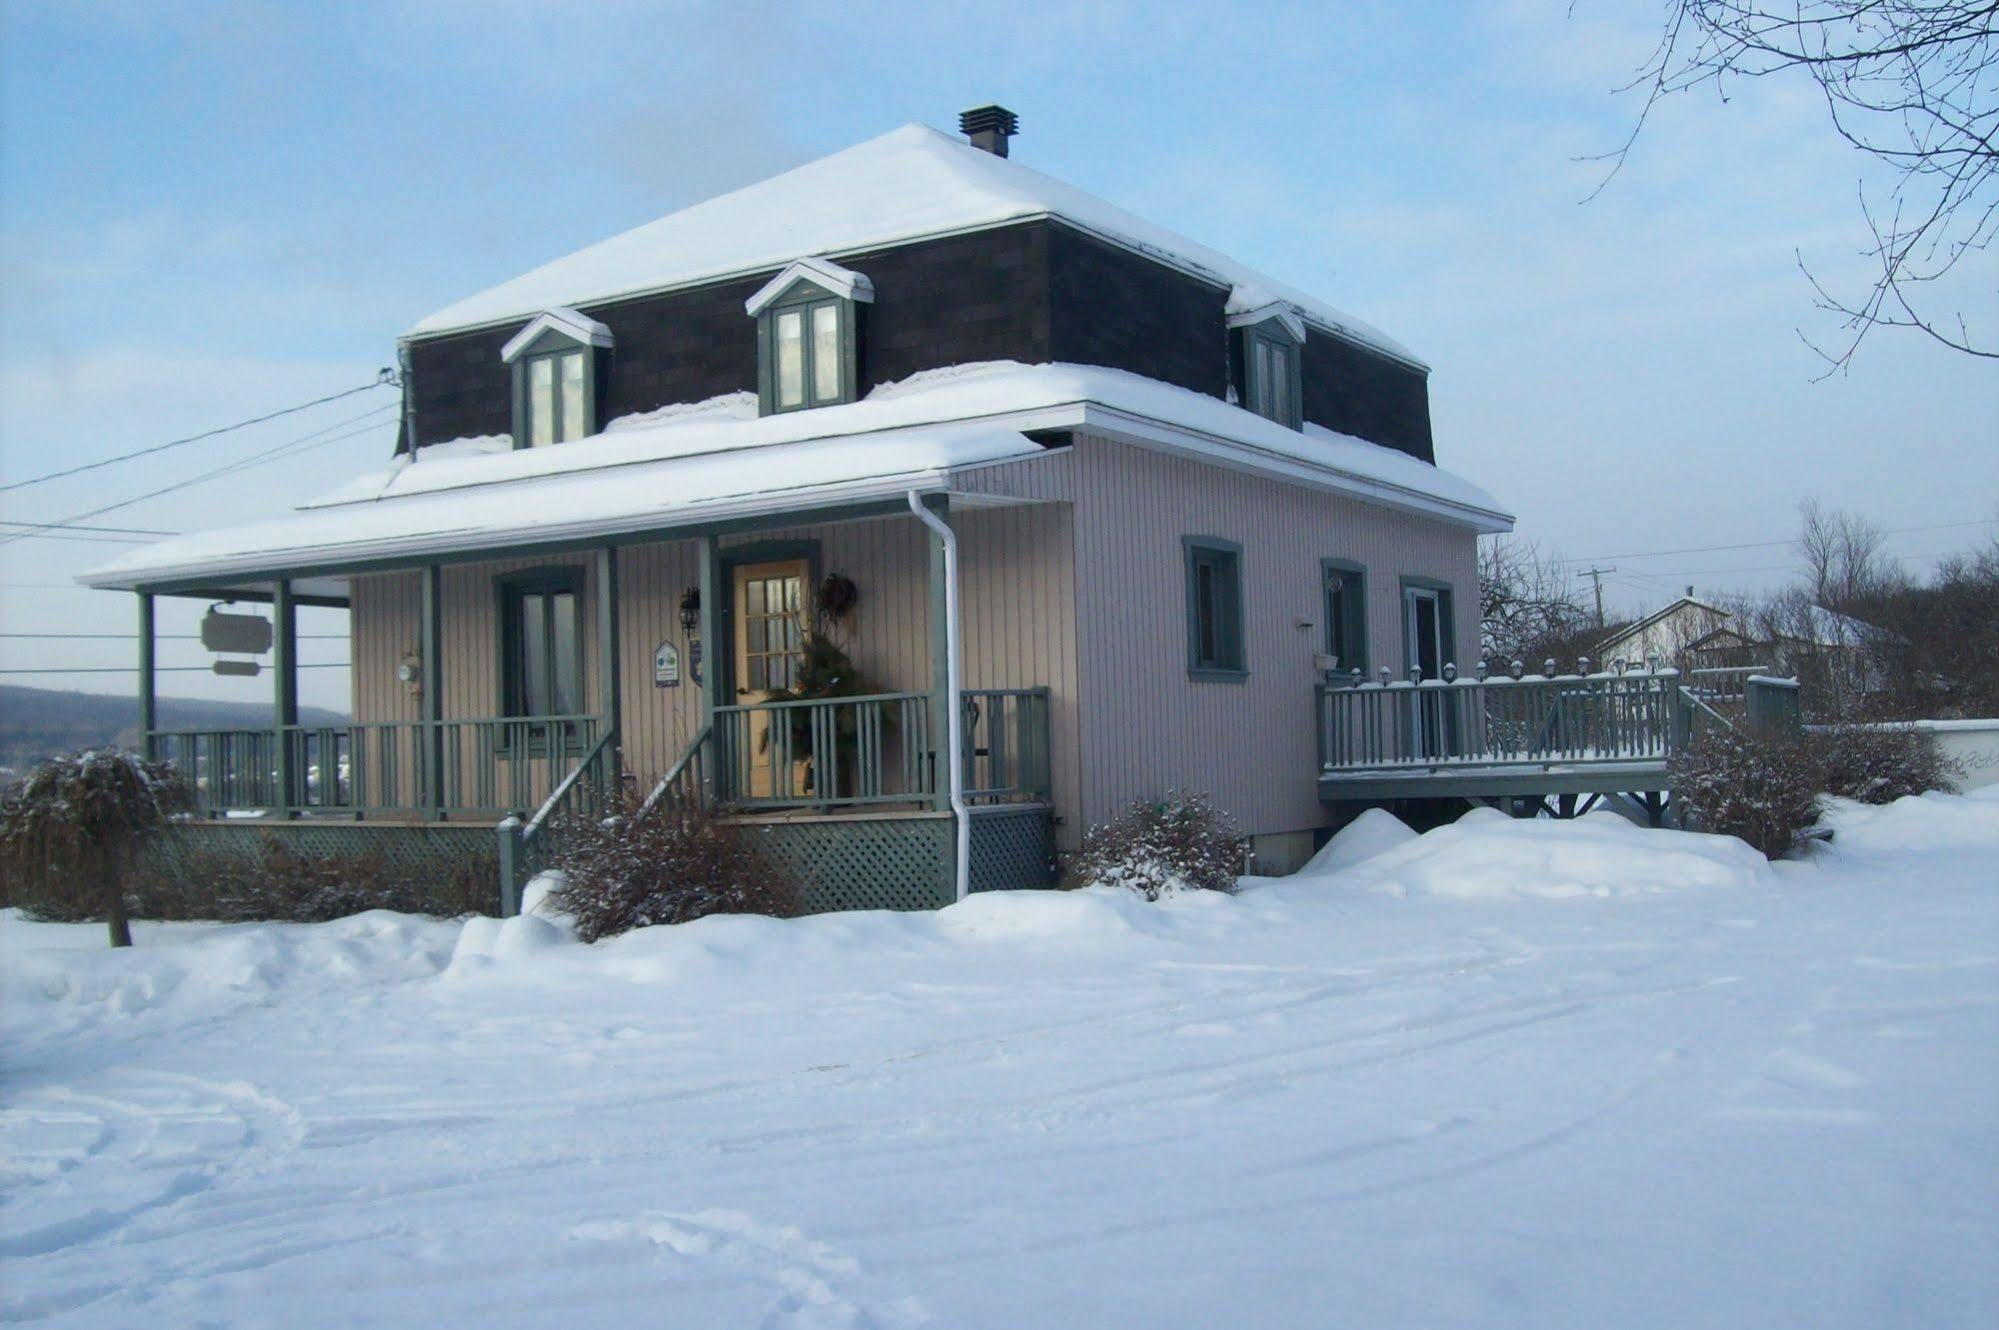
<point>1666,635</point>
<point>778,502</point>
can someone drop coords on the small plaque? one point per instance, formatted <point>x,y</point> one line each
<point>694,660</point>
<point>666,666</point>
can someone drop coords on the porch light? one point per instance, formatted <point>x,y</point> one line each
<point>690,609</point>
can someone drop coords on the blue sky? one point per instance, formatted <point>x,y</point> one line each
<point>209,211</point>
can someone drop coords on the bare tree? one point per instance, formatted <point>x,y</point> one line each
<point>1844,559</point>
<point>1913,84</point>
<point>1529,608</point>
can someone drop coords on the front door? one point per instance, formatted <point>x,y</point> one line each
<point>1425,619</point>
<point>770,634</point>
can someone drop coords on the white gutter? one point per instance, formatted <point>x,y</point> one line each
<point>954,687</point>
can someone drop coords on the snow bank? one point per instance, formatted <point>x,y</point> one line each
<point>59,977</point>
<point>1917,823</point>
<point>1375,832</point>
<point>1486,855</point>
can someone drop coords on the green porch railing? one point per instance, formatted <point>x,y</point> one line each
<point>872,750</point>
<point>485,767</point>
<point>1637,716</point>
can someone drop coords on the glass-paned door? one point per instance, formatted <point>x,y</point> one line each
<point>770,613</point>
<point>1426,638</point>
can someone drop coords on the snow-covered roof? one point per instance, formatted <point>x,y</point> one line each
<point>570,323</point>
<point>910,184</point>
<point>820,272</point>
<point>719,459</point>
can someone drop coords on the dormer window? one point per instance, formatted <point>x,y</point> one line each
<point>554,361</point>
<point>808,335</point>
<point>1267,339</point>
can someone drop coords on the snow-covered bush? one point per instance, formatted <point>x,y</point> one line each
<point>287,886</point>
<point>1159,846</point>
<point>664,868</point>
<point>1759,785</point>
<point>1878,765</point>
<point>69,833</point>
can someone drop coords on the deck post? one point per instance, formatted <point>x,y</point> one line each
<point>149,697</point>
<point>711,676</point>
<point>284,693</point>
<point>940,660</point>
<point>610,700</point>
<point>510,857</point>
<point>430,650</point>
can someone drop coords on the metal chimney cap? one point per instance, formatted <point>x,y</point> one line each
<point>988,117</point>
<point>989,127</point>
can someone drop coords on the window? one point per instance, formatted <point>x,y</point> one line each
<point>806,351</point>
<point>1214,609</point>
<point>555,410</point>
<point>1266,337</point>
<point>554,363</point>
<point>1346,613</point>
<point>808,335</point>
<point>1270,386</point>
<point>541,625</point>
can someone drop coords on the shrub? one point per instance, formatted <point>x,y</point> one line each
<point>663,868</point>
<point>1759,785</point>
<point>284,885</point>
<point>69,833</point>
<point>1159,846</point>
<point>1877,765</point>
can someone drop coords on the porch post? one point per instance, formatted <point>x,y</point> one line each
<point>149,710</point>
<point>284,692</point>
<point>610,701</point>
<point>430,649</point>
<point>940,660</point>
<point>712,673</point>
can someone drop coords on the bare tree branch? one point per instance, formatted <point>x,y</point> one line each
<point>1911,83</point>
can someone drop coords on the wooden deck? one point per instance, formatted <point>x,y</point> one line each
<point>1520,737</point>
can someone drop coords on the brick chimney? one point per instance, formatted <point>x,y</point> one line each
<point>989,127</point>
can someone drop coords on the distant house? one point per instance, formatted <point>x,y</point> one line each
<point>1667,634</point>
<point>1089,505</point>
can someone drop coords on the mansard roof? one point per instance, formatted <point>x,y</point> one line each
<point>913,183</point>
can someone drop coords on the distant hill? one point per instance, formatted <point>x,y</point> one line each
<point>39,722</point>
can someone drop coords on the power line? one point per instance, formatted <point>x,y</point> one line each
<point>382,380</point>
<point>301,444</point>
<point>169,669</point>
<point>165,637</point>
<point>78,526</point>
<point>1766,544</point>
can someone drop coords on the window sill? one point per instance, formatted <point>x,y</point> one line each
<point>1198,675</point>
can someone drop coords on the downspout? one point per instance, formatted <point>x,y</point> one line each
<point>954,727</point>
<point>403,363</point>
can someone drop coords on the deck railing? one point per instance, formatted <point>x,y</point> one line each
<point>1635,716</point>
<point>883,748</point>
<point>490,766</point>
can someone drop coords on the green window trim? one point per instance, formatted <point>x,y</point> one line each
<point>1215,617</point>
<point>1269,377</point>
<point>532,605</point>
<point>568,369</point>
<point>824,327</point>
<point>1343,591</point>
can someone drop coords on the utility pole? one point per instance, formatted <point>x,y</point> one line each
<point>1596,576</point>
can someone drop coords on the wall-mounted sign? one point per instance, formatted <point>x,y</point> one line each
<point>666,666</point>
<point>235,634</point>
<point>694,660</point>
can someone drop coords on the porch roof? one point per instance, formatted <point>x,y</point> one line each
<point>660,494</point>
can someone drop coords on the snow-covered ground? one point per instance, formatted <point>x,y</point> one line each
<point>1502,1075</point>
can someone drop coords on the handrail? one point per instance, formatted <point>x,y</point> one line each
<point>822,701</point>
<point>561,792</point>
<point>676,772</point>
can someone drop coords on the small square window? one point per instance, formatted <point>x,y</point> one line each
<point>1214,609</point>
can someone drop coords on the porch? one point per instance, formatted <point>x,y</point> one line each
<point>597,655</point>
<point>1559,742</point>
